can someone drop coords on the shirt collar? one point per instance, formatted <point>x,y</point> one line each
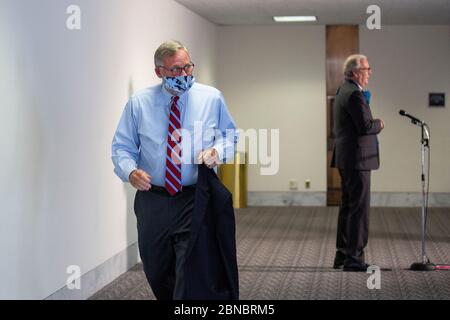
<point>168,96</point>
<point>355,82</point>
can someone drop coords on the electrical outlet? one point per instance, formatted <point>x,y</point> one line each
<point>293,185</point>
<point>307,184</point>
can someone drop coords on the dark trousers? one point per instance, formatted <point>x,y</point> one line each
<point>353,220</point>
<point>163,225</point>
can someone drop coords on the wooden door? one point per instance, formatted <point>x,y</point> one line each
<point>341,41</point>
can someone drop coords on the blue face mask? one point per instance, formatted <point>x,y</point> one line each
<point>367,96</point>
<point>178,85</point>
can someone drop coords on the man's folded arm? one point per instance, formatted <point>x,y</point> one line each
<point>363,121</point>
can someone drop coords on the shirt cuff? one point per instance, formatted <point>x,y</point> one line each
<point>127,167</point>
<point>220,150</point>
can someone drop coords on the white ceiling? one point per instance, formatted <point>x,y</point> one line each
<point>248,12</point>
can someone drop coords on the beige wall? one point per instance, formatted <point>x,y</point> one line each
<point>274,77</point>
<point>62,96</point>
<point>409,62</point>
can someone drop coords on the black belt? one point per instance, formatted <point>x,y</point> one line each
<point>162,189</point>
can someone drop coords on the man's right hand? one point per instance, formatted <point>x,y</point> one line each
<point>140,180</point>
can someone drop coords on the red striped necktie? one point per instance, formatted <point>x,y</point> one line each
<point>173,156</point>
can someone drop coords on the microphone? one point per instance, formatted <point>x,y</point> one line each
<point>413,119</point>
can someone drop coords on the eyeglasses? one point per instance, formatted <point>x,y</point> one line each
<point>178,70</point>
<point>366,69</point>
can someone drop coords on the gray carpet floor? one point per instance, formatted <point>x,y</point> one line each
<point>287,253</point>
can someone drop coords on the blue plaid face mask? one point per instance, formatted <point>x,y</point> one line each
<point>367,96</point>
<point>178,85</point>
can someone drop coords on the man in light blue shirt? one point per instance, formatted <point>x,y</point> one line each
<point>165,131</point>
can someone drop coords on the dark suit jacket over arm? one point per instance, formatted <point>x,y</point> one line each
<point>211,266</point>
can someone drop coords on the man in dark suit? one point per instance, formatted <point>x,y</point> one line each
<point>355,154</point>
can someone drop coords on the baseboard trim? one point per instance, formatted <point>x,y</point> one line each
<point>286,199</point>
<point>378,199</point>
<point>409,199</point>
<point>96,279</point>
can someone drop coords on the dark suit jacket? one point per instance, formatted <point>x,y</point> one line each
<point>355,144</point>
<point>211,266</point>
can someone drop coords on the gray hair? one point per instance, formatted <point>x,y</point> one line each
<point>168,49</point>
<point>352,63</point>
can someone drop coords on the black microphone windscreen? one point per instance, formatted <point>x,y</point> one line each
<point>402,112</point>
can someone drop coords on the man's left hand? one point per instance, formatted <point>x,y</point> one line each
<point>209,157</point>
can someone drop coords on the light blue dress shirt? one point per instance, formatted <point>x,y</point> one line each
<point>140,141</point>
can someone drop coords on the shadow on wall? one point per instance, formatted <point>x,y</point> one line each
<point>131,223</point>
<point>131,227</point>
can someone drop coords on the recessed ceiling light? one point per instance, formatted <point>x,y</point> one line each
<point>295,18</point>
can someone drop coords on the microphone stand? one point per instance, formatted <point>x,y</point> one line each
<point>425,265</point>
